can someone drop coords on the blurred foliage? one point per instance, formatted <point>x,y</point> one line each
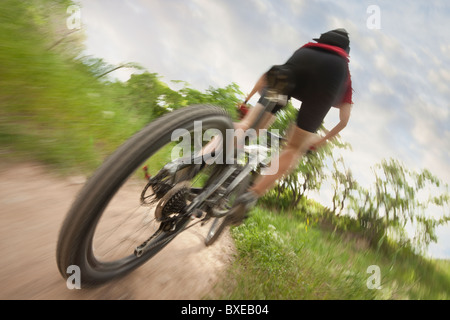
<point>395,210</point>
<point>310,172</point>
<point>63,108</point>
<point>147,95</point>
<point>399,201</point>
<point>282,256</point>
<point>402,208</point>
<point>53,110</point>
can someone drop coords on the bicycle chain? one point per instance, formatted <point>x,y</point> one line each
<point>170,238</point>
<point>174,201</point>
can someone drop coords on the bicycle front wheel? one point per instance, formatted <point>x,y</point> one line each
<point>113,214</point>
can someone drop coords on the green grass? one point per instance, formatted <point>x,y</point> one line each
<point>281,256</point>
<point>53,109</point>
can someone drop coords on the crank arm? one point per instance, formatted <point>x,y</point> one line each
<point>176,227</point>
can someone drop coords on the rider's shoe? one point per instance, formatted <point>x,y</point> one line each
<point>241,207</point>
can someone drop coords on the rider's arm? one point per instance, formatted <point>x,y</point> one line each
<point>344,116</point>
<point>260,84</point>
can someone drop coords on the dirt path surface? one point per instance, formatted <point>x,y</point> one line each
<point>33,204</point>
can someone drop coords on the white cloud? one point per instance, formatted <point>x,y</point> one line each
<point>378,87</point>
<point>137,9</point>
<point>433,140</point>
<point>385,66</point>
<point>445,49</point>
<point>296,6</point>
<point>441,250</point>
<point>440,79</point>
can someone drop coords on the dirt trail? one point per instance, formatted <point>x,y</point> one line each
<point>33,204</point>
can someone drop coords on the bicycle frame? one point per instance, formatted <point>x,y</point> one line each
<point>201,200</point>
<point>250,166</point>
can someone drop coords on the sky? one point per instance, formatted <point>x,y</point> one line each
<point>399,62</point>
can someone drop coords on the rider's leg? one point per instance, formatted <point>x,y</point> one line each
<point>298,143</point>
<point>320,78</point>
<point>248,121</point>
<point>242,126</point>
<point>251,117</point>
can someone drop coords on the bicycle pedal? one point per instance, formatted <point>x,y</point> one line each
<point>205,219</point>
<point>197,214</point>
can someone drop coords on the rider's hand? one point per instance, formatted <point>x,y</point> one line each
<point>243,109</point>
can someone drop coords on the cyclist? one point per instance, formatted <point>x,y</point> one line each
<point>318,75</point>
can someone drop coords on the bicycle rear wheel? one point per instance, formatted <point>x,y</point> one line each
<point>84,235</point>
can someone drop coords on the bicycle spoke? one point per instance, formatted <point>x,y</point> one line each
<point>106,215</point>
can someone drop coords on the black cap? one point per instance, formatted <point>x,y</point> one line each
<point>337,37</point>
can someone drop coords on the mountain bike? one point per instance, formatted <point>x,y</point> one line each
<point>143,195</point>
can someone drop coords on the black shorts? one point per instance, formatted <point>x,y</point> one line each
<point>318,79</point>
